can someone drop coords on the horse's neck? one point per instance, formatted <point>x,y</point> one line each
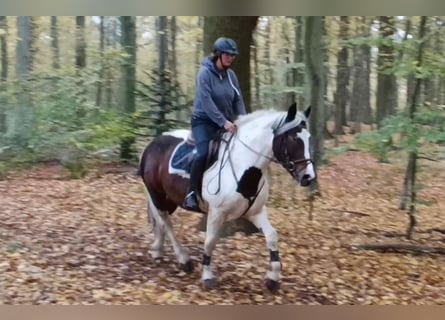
<point>252,145</point>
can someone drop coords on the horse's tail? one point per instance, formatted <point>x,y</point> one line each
<point>140,170</point>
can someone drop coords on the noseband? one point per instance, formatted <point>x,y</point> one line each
<point>291,165</point>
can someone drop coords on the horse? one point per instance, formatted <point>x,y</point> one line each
<point>235,185</point>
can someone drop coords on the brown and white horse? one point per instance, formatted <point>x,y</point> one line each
<point>235,185</point>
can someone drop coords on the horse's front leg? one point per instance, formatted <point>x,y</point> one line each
<point>214,222</point>
<point>261,221</point>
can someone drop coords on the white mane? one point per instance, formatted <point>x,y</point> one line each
<point>276,118</point>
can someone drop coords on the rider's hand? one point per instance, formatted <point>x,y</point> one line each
<point>229,126</point>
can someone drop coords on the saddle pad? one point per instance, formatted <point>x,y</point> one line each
<point>181,159</point>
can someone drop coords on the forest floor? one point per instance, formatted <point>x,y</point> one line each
<point>87,241</point>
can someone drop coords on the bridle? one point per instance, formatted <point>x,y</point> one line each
<point>291,165</point>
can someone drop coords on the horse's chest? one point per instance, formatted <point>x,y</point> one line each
<point>248,191</point>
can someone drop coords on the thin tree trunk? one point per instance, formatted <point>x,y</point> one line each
<point>128,42</point>
<point>173,63</point>
<point>4,70</point>
<point>21,123</point>
<point>102,62</point>
<point>256,75</point>
<point>360,98</point>
<point>162,61</point>
<point>299,59</point>
<point>109,31</point>
<point>342,93</point>
<point>288,74</point>
<point>387,82</point>
<point>81,57</point>
<point>411,169</point>
<point>314,70</point>
<point>55,42</point>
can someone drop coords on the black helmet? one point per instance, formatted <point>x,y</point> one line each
<point>225,45</point>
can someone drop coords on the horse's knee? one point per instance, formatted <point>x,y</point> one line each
<point>272,238</point>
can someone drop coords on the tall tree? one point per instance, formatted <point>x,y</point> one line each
<point>342,93</point>
<point>360,106</point>
<point>128,84</point>
<point>81,44</point>
<point>21,120</point>
<point>4,66</point>
<point>239,28</point>
<point>101,74</point>
<point>410,175</point>
<point>313,59</point>
<point>55,42</point>
<point>162,61</point>
<point>299,59</point>
<point>386,80</point>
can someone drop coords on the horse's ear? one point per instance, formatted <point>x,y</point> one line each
<point>307,112</point>
<point>291,113</point>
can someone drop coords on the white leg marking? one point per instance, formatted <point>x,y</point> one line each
<point>163,225</point>
<point>261,221</point>
<point>214,222</point>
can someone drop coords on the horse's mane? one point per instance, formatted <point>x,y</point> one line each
<point>254,115</point>
<point>277,117</point>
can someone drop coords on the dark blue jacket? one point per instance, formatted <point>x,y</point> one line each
<point>218,94</point>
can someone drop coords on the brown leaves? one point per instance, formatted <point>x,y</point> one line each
<point>87,241</point>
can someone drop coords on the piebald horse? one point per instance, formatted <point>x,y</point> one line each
<point>235,185</point>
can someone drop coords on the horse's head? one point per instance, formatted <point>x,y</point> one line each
<point>291,145</point>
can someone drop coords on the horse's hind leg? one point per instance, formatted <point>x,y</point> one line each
<point>261,221</point>
<point>157,248</point>
<point>163,226</point>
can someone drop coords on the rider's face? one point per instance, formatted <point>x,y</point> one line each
<point>227,59</point>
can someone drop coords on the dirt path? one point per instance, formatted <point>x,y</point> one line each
<point>87,241</point>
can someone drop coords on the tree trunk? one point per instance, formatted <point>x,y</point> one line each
<point>288,75</point>
<point>411,169</point>
<point>128,42</point>
<point>101,74</point>
<point>110,31</point>
<point>314,70</point>
<point>55,42</point>
<point>256,76</point>
<point>4,70</point>
<point>21,120</point>
<point>342,93</point>
<point>162,61</point>
<point>172,62</point>
<point>81,45</point>
<point>299,59</point>
<point>360,106</point>
<point>387,83</point>
<point>240,29</point>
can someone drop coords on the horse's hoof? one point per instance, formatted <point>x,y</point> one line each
<point>272,285</point>
<point>187,267</point>
<point>209,284</point>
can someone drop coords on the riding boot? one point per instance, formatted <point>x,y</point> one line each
<point>191,200</point>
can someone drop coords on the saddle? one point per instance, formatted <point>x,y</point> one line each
<point>182,156</point>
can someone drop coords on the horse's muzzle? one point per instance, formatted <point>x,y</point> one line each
<point>306,180</point>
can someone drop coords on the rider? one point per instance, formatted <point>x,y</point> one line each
<point>218,102</point>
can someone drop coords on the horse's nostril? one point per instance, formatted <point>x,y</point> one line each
<point>305,180</point>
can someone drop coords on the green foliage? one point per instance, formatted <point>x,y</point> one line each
<point>400,132</point>
<point>66,127</point>
<point>160,105</point>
